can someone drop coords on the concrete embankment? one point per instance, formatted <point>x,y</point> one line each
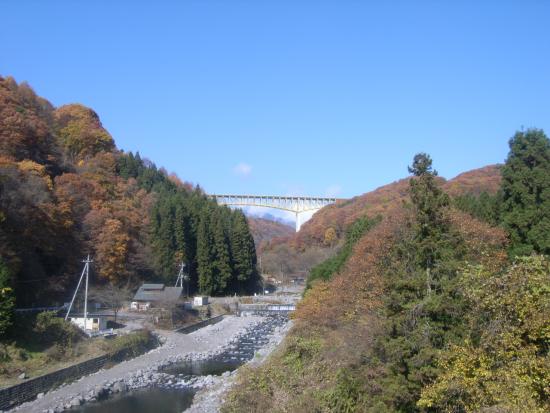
<point>143,371</point>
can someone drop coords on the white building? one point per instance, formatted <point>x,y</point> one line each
<point>95,323</point>
<point>200,300</point>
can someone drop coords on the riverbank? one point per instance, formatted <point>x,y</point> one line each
<point>143,371</point>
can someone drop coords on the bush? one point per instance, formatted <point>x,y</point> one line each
<point>56,331</point>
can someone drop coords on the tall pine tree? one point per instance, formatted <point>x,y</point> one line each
<point>244,254</point>
<point>430,225</point>
<point>205,255</point>
<point>222,256</point>
<point>423,313</point>
<point>163,240</point>
<point>526,193</point>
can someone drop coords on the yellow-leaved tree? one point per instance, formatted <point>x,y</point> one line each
<point>112,251</point>
<point>504,364</point>
<point>81,133</point>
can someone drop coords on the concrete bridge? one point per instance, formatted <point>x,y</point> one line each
<point>295,204</point>
<point>265,309</point>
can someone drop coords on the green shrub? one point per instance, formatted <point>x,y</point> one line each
<point>55,330</point>
<point>345,395</point>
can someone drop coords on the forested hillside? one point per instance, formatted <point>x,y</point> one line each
<point>325,233</point>
<point>66,191</point>
<point>443,304</point>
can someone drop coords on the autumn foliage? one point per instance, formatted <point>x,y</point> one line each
<point>432,312</point>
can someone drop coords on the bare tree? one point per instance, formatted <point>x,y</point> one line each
<point>111,296</point>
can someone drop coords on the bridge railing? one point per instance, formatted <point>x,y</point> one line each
<point>265,308</point>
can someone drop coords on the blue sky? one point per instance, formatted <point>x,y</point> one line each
<point>292,97</point>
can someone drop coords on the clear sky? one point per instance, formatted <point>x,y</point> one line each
<point>292,97</point>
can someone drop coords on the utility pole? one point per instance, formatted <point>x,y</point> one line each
<point>87,266</point>
<point>262,276</point>
<point>179,280</point>
<point>183,276</point>
<point>85,273</point>
<point>261,269</point>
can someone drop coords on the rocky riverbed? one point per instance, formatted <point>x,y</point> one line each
<point>235,340</point>
<point>214,389</point>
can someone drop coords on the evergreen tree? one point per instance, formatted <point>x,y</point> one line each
<point>194,203</point>
<point>526,193</point>
<point>205,255</point>
<point>7,300</point>
<point>164,244</point>
<point>181,232</point>
<point>423,312</point>
<point>222,257</point>
<point>244,253</point>
<point>430,224</point>
<point>484,207</point>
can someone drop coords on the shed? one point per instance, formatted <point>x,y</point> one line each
<point>200,300</point>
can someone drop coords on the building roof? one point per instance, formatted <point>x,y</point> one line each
<point>152,286</point>
<point>158,293</point>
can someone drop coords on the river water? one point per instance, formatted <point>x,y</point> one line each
<point>156,399</point>
<point>177,398</point>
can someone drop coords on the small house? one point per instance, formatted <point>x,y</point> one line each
<point>155,295</point>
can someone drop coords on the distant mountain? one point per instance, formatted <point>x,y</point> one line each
<point>264,230</point>
<point>274,218</point>
<point>341,215</point>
